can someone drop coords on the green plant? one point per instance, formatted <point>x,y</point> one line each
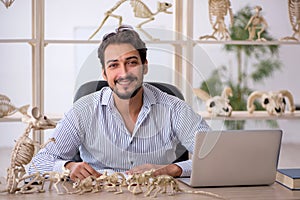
<point>264,59</point>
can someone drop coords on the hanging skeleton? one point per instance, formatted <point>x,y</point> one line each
<point>256,22</point>
<point>23,152</point>
<point>140,10</point>
<point>294,15</point>
<point>218,9</point>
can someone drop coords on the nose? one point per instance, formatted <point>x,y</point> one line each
<point>123,69</point>
<point>278,110</point>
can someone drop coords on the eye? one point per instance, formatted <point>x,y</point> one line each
<point>212,104</point>
<point>283,101</point>
<point>266,101</point>
<point>112,65</point>
<point>132,63</point>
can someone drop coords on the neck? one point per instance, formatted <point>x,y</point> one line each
<point>130,107</point>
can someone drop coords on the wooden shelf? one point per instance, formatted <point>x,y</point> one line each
<point>236,115</point>
<point>256,115</point>
<point>17,117</point>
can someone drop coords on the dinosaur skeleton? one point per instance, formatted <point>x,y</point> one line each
<point>273,102</point>
<point>23,152</point>
<point>256,22</point>
<point>162,182</point>
<point>294,16</point>
<point>56,178</point>
<point>140,10</point>
<point>217,105</point>
<point>218,10</point>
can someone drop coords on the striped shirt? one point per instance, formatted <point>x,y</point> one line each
<point>95,128</point>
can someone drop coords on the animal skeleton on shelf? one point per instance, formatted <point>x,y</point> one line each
<point>218,10</point>
<point>217,105</point>
<point>294,16</point>
<point>273,102</point>
<point>140,10</point>
<point>7,108</point>
<point>256,22</point>
<point>23,152</point>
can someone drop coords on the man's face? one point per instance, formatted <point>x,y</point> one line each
<point>124,71</point>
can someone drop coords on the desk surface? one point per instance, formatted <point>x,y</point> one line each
<point>273,192</point>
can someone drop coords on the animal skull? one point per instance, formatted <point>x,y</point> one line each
<point>217,105</point>
<point>38,121</point>
<point>273,102</point>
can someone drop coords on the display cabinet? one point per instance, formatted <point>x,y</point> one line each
<point>49,80</point>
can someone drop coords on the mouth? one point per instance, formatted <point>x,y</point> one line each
<point>125,81</point>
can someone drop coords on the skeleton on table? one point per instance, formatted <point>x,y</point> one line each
<point>140,10</point>
<point>294,15</point>
<point>218,9</point>
<point>256,22</point>
<point>217,105</point>
<point>56,178</point>
<point>23,152</point>
<point>273,102</point>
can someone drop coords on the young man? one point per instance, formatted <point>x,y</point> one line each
<point>129,126</point>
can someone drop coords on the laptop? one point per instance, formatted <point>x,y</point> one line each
<point>235,158</point>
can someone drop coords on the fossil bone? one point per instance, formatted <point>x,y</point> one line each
<point>140,10</point>
<point>217,105</point>
<point>218,9</point>
<point>273,102</point>
<point>256,22</point>
<point>294,16</point>
<point>7,3</point>
<point>23,152</point>
<point>7,108</point>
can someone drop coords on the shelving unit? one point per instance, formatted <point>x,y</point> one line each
<point>236,115</point>
<point>183,23</point>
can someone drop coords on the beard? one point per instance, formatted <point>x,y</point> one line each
<point>128,93</point>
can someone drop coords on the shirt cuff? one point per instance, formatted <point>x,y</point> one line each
<point>59,165</point>
<point>186,167</point>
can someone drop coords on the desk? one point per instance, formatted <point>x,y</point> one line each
<point>273,192</point>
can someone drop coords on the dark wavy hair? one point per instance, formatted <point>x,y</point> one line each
<point>123,35</point>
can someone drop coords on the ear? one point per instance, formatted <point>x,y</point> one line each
<point>35,112</point>
<point>145,65</point>
<point>104,74</point>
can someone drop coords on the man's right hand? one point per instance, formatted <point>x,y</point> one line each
<point>81,170</point>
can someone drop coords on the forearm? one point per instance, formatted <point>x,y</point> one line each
<point>45,162</point>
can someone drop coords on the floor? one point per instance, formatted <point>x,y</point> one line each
<point>289,157</point>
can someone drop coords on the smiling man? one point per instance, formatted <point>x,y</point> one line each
<point>129,126</point>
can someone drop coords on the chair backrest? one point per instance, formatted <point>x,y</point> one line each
<point>93,86</point>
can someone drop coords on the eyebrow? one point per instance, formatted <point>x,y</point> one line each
<point>116,60</point>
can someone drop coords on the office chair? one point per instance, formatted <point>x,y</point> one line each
<point>93,86</point>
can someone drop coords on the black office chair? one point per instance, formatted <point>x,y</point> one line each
<point>93,86</point>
